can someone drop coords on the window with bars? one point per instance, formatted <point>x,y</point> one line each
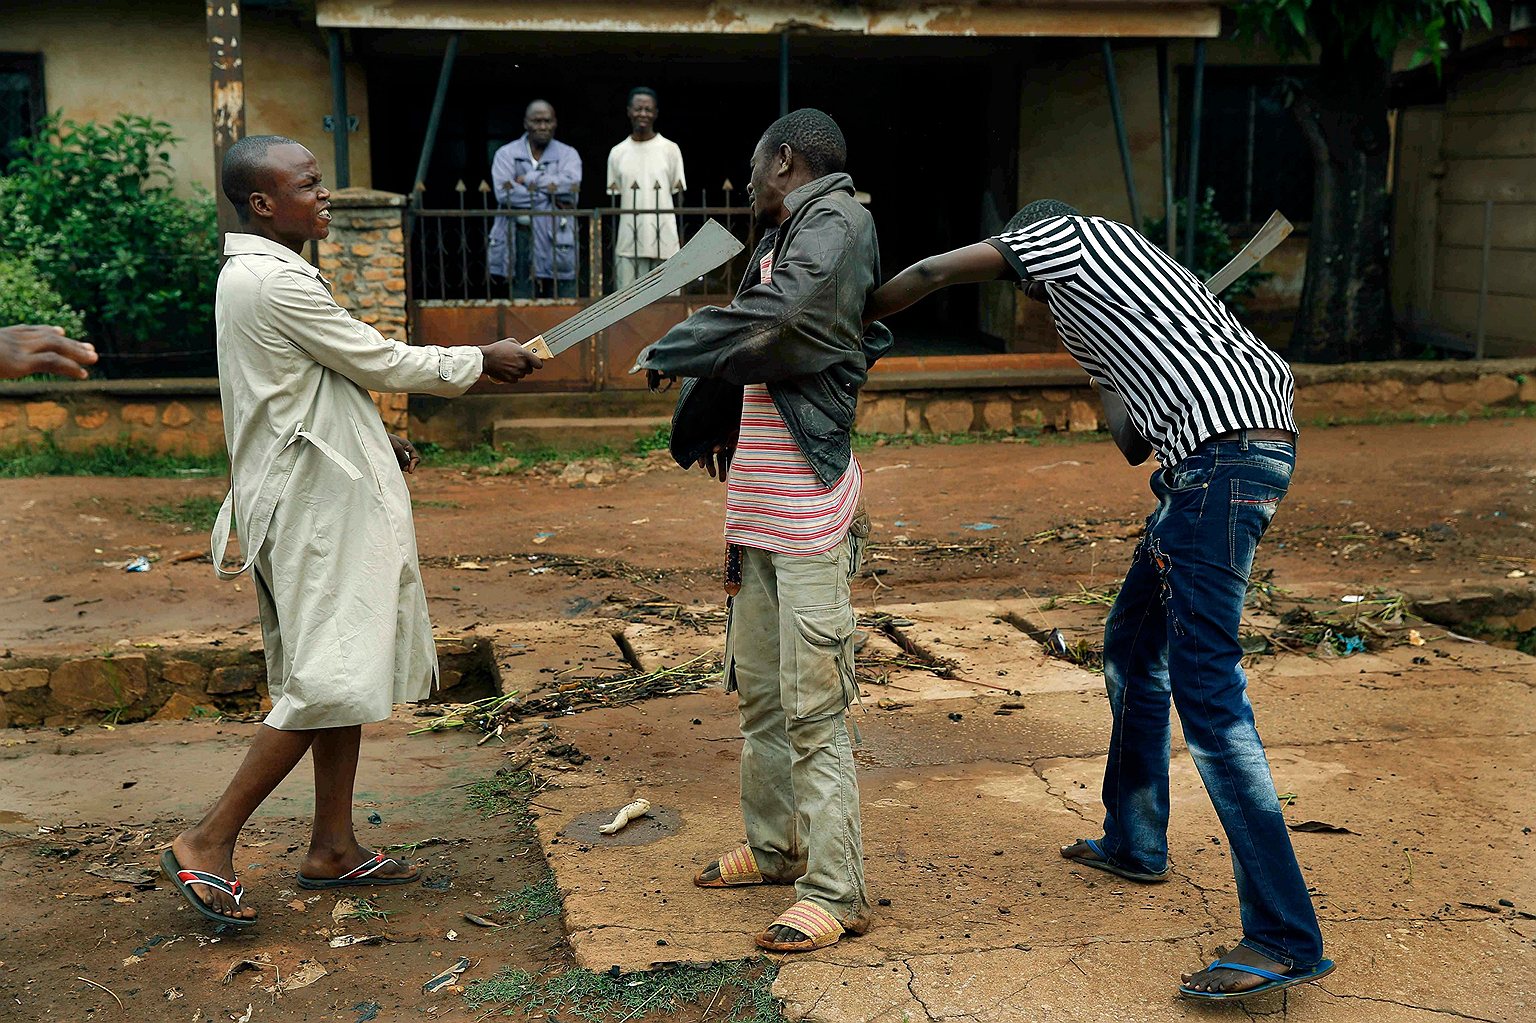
<point>1252,152</point>
<point>21,101</point>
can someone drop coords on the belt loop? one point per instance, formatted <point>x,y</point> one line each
<point>1242,439</point>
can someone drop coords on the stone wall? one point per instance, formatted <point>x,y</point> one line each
<point>181,416</point>
<point>192,681</point>
<point>364,259</point>
<point>1324,394</point>
<point>184,416</point>
<point>941,411</point>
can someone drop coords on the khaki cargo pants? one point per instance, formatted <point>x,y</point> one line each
<point>789,652</point>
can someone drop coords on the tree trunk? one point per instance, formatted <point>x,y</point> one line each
<point>1346,312</point>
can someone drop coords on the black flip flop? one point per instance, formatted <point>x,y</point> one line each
<point>360,876</point>
<point>185,879</point>
<point>1103,863</point>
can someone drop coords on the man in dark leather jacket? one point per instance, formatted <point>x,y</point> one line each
<point>774,382</point>
<point>800,335</point>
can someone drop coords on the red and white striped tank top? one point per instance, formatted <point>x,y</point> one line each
<point>774,499</point>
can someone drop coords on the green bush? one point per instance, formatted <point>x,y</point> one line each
<point>1213,248</point>
<point>26,298</point>
<point>94,208</point>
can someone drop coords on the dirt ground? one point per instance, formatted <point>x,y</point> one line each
<point>1419,505</point>
<point>965,798</point>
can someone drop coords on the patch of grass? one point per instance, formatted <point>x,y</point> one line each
<point>533,901</point>
<point>122,459</point>
<point>364,910</point>
<point>191,512</point>
<point>738,992</point>
<point>435,504</point>
<point>510,459</point>
<point>504,794</point>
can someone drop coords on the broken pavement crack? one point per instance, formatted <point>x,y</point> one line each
<point>1410,1005</point>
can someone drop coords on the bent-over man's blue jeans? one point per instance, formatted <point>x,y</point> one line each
<point>1173,632</point>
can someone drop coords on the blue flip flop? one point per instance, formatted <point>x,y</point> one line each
<point>1103,863</point>
<point>1272,981</point>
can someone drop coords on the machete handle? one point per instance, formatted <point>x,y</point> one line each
<point>539,347</point>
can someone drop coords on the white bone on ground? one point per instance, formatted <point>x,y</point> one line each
<point>627,813</point>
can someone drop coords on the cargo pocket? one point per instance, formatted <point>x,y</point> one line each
<point>823,666</point>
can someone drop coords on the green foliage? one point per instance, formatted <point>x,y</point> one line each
<point>25,297</point>
<point>189,513</point>
<point>737,992</point>
<point>93,207</point>
<point>533,901</point>
<point>122,459</point>
<point>1213,248</point>
<point>1292,25</point>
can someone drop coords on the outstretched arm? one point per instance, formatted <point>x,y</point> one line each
<point>972,264</point>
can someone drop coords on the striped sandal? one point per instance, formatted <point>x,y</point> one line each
<point>364,874</point>
<point>819,927</point>
<point>738,868</point>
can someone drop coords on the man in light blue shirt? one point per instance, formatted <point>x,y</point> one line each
<point>536,172</point>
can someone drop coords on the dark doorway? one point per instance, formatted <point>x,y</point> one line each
<point>918,114</point>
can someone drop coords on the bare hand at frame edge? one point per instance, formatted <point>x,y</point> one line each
<point>28,348</point>
<point>507,362</point>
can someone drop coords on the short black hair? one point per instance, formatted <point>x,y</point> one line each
<point>812,134</point>
<point>1040,209</point>
<point>245,170</point>
<point>641,90</point>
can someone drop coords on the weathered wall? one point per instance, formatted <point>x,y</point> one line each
<point>183,416</point>
<point>180,416</point>
<point>196,680</point>
<point>364,259</point>
<point>111,57</point>
<point>1488,151</point>
<point>1068,151</point>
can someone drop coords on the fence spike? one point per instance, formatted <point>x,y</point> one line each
<point>728,186</point>
<point>485,186</point>
<point>421,186</point>
<point>460,186</point>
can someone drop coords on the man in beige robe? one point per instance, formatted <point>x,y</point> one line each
<point>324,517</point>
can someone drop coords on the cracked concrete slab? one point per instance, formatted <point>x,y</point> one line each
<point>963,818</point>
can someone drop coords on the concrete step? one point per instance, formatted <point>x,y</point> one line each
<point>565,434</point>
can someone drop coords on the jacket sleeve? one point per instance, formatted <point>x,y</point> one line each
<point>772,331</point>
<point>300,312</point>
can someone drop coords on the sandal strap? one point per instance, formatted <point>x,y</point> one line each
<point>739,866</point>
<point>1255,970</point>
<point>214,881</point>
<point>365,868</point>
<point>810,920</point>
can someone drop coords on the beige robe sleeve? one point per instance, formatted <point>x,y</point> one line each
<point>301,312</point>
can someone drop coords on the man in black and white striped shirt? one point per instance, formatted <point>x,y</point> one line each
<point>1216,405</point>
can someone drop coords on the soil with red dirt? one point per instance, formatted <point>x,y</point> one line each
<point>1410,506</point>
<point>91,933</point>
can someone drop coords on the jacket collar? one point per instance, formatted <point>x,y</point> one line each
<point>241,244</point>
<point>811,190</point>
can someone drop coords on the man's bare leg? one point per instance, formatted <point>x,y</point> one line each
<point>333,845</point>
<point>209,845</point>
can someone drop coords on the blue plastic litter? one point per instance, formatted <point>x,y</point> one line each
<point>138,564</point>
<point>981,527</point>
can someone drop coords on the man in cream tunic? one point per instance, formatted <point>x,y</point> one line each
<point>325,522</point>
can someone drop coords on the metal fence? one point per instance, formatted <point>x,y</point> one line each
<point>476,251</point>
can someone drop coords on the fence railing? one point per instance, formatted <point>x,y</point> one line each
<point>485,253</point>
